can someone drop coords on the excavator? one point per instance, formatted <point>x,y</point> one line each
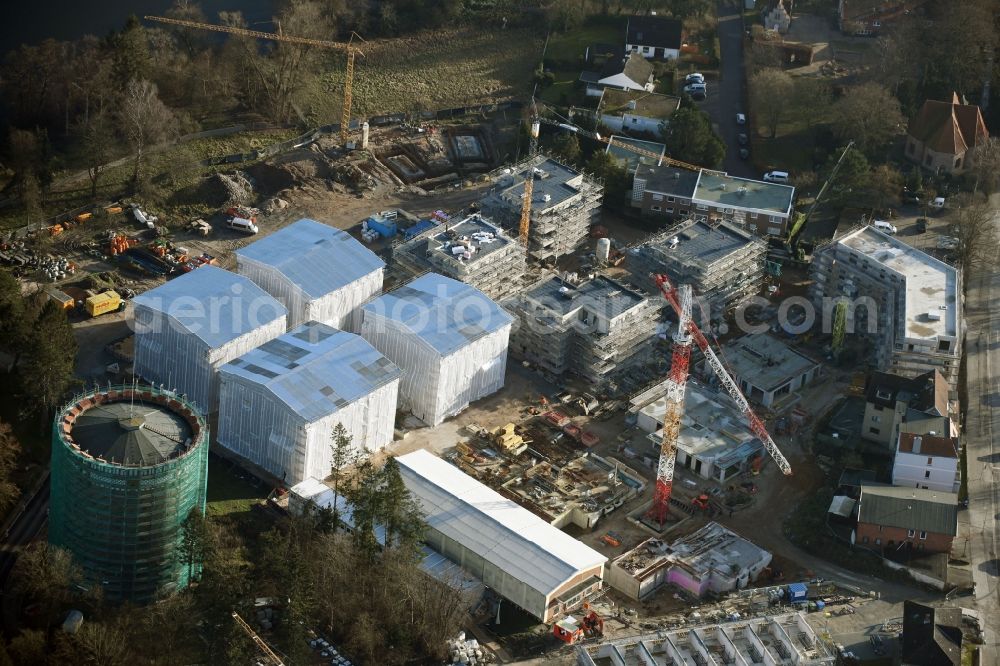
<point>570,630</point>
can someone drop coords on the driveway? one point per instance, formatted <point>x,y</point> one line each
<point>726,96</point>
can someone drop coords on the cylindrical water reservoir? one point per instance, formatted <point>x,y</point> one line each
<point>603,249</point>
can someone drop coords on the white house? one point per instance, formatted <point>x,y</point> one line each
<point>653,37</point>
<point>623,110</point>
<point>630,73</point>
<point>926,461</point>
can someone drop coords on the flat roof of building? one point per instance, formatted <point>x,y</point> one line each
<point>932,286</point>
<point>493,527</point>
<point>316,370</point>
<point>711,428</point>
<point>213,304</point>
<point>647,104</point>
<point>474,236</point>
<point>601,294</point>
<point>703,243</point>
<point>445,313</point>
<point>314,256</point>
<point>765,361</point>
<point>724,190</point>
<point>668,180</point>
<point>555,183</point>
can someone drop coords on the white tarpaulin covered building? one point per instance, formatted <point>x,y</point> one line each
<point>279,403</point>
<point>524,559</point>
<point>449,339</point>
<point>187,328</point>
<point>320,273</point>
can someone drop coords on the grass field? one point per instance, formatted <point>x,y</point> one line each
<point>569,47</point>
<point>230,489</point>
<point>432,70</point>
<point>791,150</point>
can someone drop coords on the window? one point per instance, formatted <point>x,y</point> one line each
<point>864,540</point>
<point>635,120</point>
<point>669,210</point>
<point>876,419</point>
<point>753,216</point>
<point>702,207</point>
<point>874,431</point>
<point>944,345</point>
<point>923,534</point>
<point>879,528</point>
<point>656,208</point>
<point>930,461</point>
<point>927,474</point>
<point>878,542</point>
<point>670,199</point>
<point>657,197</point>
<point>910,533</point>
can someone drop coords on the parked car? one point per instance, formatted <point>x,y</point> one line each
<point>743,139</point>
<point>744,153</point>
<point>741,119</point>
<point>938,202</point>
<point>696,77</point>
<point>921,225</point>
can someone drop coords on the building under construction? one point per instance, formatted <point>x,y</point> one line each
<point>474,251</point>
<point>723,263</point>
<point>591,328</point>
<point>129,465</point>
<point>564,204</point>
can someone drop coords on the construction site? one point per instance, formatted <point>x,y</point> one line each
<point>724,263</point>
<point>473,251</point>
<point>593,328</point>
<point>564,204</point>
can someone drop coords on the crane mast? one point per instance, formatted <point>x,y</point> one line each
<point>529,186</point>
<point>348,49</point>
<point>680,299</point>
<point>258,641</point>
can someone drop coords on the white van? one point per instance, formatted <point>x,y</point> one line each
<point>776,177</point>
<point>241,224</point>
<point>884,227</point>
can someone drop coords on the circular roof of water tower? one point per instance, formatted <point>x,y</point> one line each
<point>132,433</point>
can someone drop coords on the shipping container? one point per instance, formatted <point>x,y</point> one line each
<point>100,304</point>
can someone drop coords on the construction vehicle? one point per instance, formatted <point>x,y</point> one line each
<point>258,641</point>
<point>612,539</point>
<point>569,630</point>
<point>350,50</point>
<point>680,299</point>
<point>701,502</point>
<point>108,301</point>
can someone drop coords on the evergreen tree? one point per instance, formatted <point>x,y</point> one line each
<point>130,58</point>
<point>15,326</point>
<point>342,456</point>
<point>194,541</point>
<point>48,372</point>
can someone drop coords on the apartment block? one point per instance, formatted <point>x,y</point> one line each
<point>671,193</point>
<point>906,301</point>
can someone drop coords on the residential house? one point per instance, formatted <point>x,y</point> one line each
<point>931,636</point>
<point>630,73</point>
<point>895,404</point>
<point>869,17</point>
<point>654,37</point>
<point>944,135</point>
<point>706,195</point>
<point>626,110</point>
<point>926,461</point>
<point>891,517</point>
<point>778,19</point>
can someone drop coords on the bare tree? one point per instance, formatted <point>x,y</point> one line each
<point>97,144</point>
<point>885,183</point>
<point>869,114</point>
<point>769,93</point>
<point>10,449</point>
<point>974,228</point>
<point>986,166</point>
<point>145,120</point>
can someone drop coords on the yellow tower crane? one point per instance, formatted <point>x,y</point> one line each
<point>258,641</point>
<point>351,51</point>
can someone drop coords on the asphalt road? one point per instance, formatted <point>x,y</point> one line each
<point>982,421</point>
<point>726,96</point>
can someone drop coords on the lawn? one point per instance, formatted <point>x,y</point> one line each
<point>791,150</point>
<point>567,49</point>
<point>230,489</point>
<point>429,71</point>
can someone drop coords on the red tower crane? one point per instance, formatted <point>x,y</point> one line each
<point>680,300</point>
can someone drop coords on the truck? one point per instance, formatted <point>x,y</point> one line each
<point>108,301</point>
